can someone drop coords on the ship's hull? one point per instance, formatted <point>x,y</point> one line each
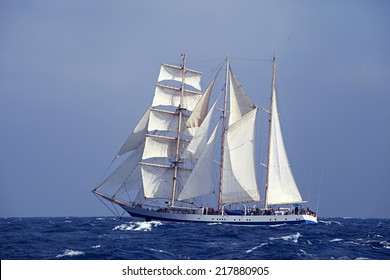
<point>226,219</point>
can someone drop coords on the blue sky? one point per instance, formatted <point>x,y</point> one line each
<point>75,77</point>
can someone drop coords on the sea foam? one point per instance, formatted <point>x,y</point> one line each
<point>293,237</point>
<point>70,253</point>
<point>138,226</point>
<point>255,248</point>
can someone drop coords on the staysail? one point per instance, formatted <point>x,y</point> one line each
<point>240,104</point>
<point>239,176</point>
<point>137,137</point>
<point>282,188</point>
<point>200,182</point>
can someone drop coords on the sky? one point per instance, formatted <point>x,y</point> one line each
<point>76,76</point>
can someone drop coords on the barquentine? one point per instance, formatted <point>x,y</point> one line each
<point>191,158</point>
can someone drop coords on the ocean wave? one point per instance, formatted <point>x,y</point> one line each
<point>96,246</point>
<point>304,253</point>
<point>138,226</point>
<point>161,251</point>
<point>278,225</point>
<point>70,253</point>
<point>167,254</point>
<point>328,223</point>
<point>293,237</point>
<point>336,240</point>
<point>255,248</point>
<point>385,244</point>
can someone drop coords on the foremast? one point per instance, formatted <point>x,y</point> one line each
<point>179,124</point>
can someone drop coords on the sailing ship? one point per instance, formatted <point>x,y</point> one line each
<point>191,160</point>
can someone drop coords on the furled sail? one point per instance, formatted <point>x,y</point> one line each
<point>172,72</point>
<point>200,182</point>
<point>282,188</point>
<point>239,176</point>
<point>240,104</point>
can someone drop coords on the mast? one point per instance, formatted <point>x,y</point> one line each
<point>223,130</point>
<point>270,130</point>
<point>177,159</point>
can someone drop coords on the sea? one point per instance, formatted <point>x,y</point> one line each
<point>111,238</point>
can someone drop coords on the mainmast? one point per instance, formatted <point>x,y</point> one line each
<point>179,109</point>
<point>224,127</point>
<point>270,130</point>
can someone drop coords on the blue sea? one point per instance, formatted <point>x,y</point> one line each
<point>106,238</point>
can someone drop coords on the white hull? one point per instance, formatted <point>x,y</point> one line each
<point>149,214</point>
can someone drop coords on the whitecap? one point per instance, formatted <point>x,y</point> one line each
<point>305,253</point>
<point>293,237</point>
<point>330,222</point>
<point>138,226</point>
<point>336,240</point>
<point>352,242</point>
<point>385,244</point>
<point>278,225</point>
<point>96,246</point>
<point>168,253</point>
<point>160,251</point>
<point>255,248</point>
<point>70,253</point>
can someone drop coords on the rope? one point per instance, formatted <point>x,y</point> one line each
<point>101,200</point>
<point>319,191</point>
<point>105,173</point>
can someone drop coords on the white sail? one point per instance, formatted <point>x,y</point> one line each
<point>201,181</point>
<point>161,147</point>
<point>282,188</point>
<point>137,137</point>
<point>198,142</point>
<point>158,180</point>
<point>172,72</point>
<point>201,109</point>
<point>167,121</point>
<point>240,104</point>
<point>239,176</point>
<point>120,175</point>
<point>171,96</point>
<point>132,185</point>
